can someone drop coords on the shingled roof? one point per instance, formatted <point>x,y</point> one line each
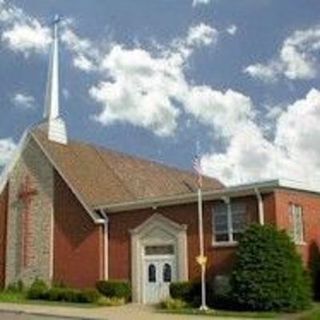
<point>101,176</point>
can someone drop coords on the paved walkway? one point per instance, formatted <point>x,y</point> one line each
<point>128,312</point>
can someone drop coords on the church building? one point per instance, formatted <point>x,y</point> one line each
<point>76,213</point>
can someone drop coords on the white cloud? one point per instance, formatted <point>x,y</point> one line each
<point>25,34</point>
<point>24,101</point>
<point>201,34</point>
<point>298,130</point>
<point>267,73</point>
<point>232,30</point>
<point>25,38</point>
<point>7,146</point>
<point>200,2</point>
<point>225,112</point>
<point>140,91</point>
<point>21,32</point>
<point>143,88</point>
<point>297,59</point>
<point>85,54</point>
<point>294,152</point>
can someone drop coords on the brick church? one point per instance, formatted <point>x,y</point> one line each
<point>75,213</point>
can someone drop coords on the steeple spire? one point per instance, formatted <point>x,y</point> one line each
<point>56,127</point>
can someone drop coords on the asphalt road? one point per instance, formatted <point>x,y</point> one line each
<point>23,316</point>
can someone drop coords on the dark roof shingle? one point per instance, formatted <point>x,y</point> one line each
<point>104,177</point>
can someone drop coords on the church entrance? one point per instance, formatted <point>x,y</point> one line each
<point>158,257</point>
<point>159,272</point>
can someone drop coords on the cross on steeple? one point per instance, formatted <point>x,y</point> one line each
<point>26,195</point>
<point>56,127</point>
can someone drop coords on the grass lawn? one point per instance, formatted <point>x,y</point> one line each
<point>313,314</point>
<point>221,313</point>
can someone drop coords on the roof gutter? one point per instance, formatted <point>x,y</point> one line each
<point>236,191</point>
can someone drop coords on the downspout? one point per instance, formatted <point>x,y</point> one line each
<point>227,201</point>
<point>260,206</point>
<point>105,245</point>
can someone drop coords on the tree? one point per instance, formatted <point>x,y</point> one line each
<point>268,272</point>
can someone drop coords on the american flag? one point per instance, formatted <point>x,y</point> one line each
<point>198,170</point>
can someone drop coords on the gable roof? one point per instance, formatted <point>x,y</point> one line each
<point>104,177</point>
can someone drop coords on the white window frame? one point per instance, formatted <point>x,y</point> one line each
<point>230,240</point>
<point>297,223</point>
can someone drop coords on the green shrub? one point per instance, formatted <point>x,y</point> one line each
<point>220,292</point>
<point>173,304</point>
<point>37,290</point>
<point>62,294</point>
<point>190,292</point>
<point>87,296</point>
<point>114,289</point>
<point>110,302</point>
<point>182,290</point>
<point>73,295</point>
<point>268,273</point>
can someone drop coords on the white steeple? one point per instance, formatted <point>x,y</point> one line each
<point>57,131</point>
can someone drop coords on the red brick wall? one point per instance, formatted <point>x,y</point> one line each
<point>269,208</point>
<point>311,216</point>
<point>77,240</point>
<point>3,233</point>
<point>220,259</point>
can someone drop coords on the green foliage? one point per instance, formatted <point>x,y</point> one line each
<point>314,266</point>
<point>173,304</point>
<point>72,295</point>
<point>114,289</point>
<point>110,302</point>
<point>88,296</point>
<point>40,291</point>
<point>37,290</point>
<point>190,292</point>
<point>182,290</point>
<point>268,273</point>
<point>15,287</point>
<point>220,293</point>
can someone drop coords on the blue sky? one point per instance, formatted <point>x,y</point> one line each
<point>153,78</point>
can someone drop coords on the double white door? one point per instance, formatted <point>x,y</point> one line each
<point>159,272</point>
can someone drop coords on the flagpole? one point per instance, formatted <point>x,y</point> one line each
<point>202,261</point>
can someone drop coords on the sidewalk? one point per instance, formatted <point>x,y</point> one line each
<point>127,312</point>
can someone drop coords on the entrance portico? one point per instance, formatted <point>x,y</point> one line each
<point>159,257</point>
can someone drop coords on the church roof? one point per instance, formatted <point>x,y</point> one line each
<point>103,177</point>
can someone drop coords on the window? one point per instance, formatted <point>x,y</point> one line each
<point>238,219</point>
<point>229,221</point>
<point>159,250</point>
<point>221,229</point>
<point>152,273</point>
<point>167,273</point>
<point>297,223</point>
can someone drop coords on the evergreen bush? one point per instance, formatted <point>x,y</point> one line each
<point>181,290</point>
<point>114,289</point>
<point>37,290</point>
<point>268,272</point>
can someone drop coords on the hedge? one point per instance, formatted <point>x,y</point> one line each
<point>40,291</point>
<point>114,289</point>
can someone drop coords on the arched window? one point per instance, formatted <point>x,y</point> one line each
<point>152,273</point>
<point>167,272</point>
